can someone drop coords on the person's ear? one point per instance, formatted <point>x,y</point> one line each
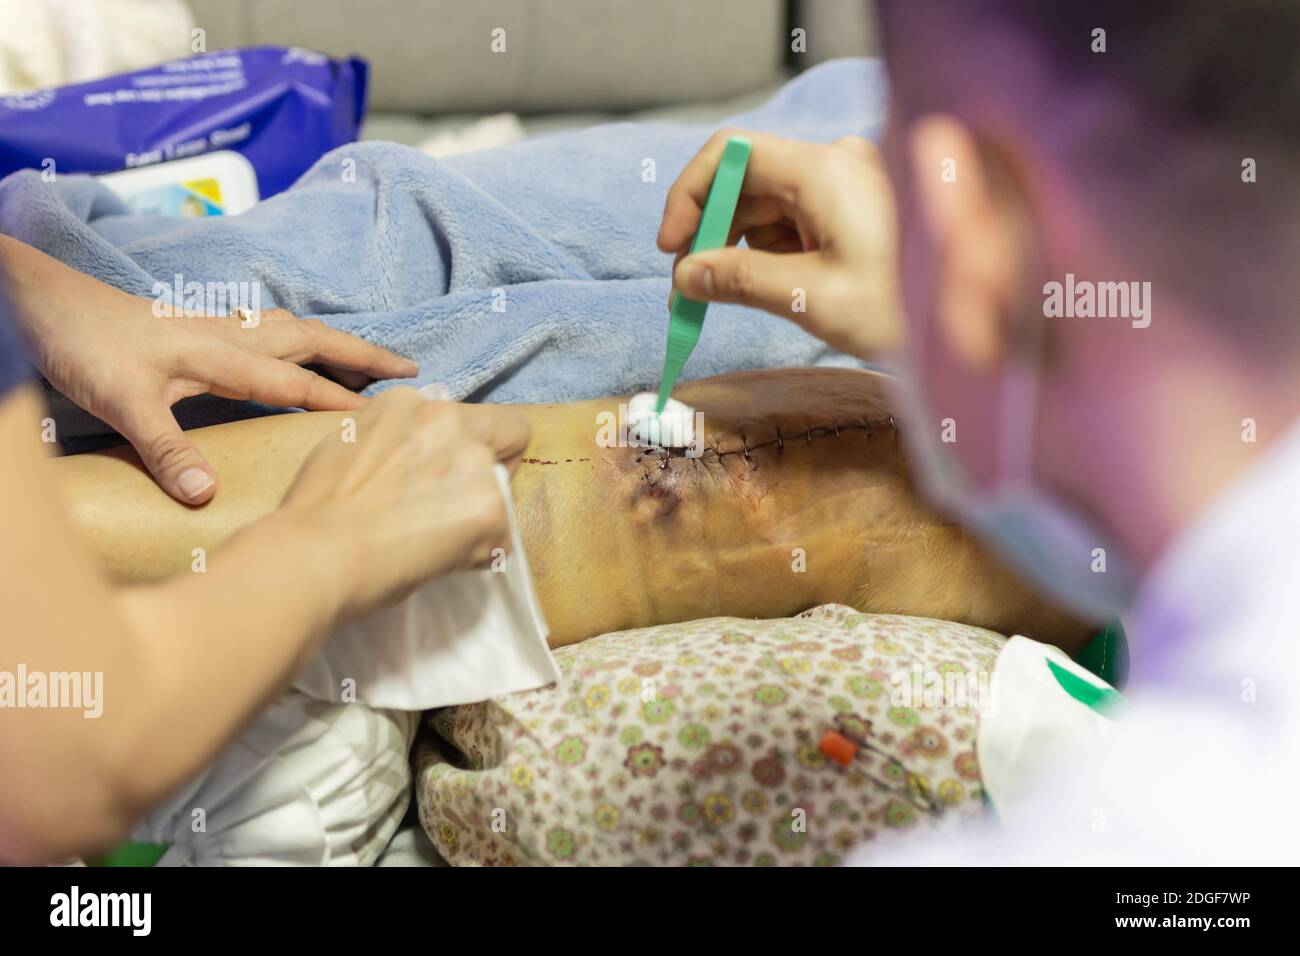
<point>967,209</point>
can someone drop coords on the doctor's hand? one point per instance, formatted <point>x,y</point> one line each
<point>819,224</point>
<point>108,352</point>
<point>414,496</point>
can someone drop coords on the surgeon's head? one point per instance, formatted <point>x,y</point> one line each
<point>1098,208</point>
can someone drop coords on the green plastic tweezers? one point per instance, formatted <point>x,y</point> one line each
<point>686,316</point>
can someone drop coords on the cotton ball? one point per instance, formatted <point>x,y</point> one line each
<point>674,427</point>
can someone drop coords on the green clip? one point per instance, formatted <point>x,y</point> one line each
<point>131,854</point>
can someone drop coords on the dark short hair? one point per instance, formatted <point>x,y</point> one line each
<point>1197,91</point>
<point>1230,67</point>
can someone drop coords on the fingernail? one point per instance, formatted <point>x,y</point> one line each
<point>694,279</point>
<point>193,482</point>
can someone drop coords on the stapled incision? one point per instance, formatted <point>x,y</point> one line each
<point>666,473</point>
<point>780,439</point>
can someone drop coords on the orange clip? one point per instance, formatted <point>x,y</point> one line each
<point>838,747</point>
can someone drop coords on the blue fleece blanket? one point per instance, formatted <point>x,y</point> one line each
<point>413,253</point>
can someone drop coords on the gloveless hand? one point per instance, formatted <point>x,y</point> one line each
<point>818,221</point>
<point>111,354</point>
<point>413,496</point>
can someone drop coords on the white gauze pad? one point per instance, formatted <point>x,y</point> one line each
<point>674,427</point>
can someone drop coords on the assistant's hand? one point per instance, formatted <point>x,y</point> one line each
<point>108,352</point>
<point>414,496</point>
<point>816,218</point>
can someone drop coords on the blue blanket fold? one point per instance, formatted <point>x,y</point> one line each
<point>522,274</point>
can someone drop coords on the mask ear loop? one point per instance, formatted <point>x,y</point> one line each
<point>1019,391</point>
<point>1018,405</point>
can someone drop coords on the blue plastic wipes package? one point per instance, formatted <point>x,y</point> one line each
<point>281,108</point>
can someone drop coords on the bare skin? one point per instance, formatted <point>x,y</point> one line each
<point>415,497</point>
<point>800,498</point>
<point>200,655</point>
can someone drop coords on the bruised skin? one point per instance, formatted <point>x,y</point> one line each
<point>800,498</point>
<point>619,537</point>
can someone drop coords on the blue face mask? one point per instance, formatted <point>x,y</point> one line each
<point>1051,545</point>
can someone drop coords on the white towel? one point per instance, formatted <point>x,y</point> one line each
<point>308,784</point>
<point>458,639</point>
<point>1032,723</point>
